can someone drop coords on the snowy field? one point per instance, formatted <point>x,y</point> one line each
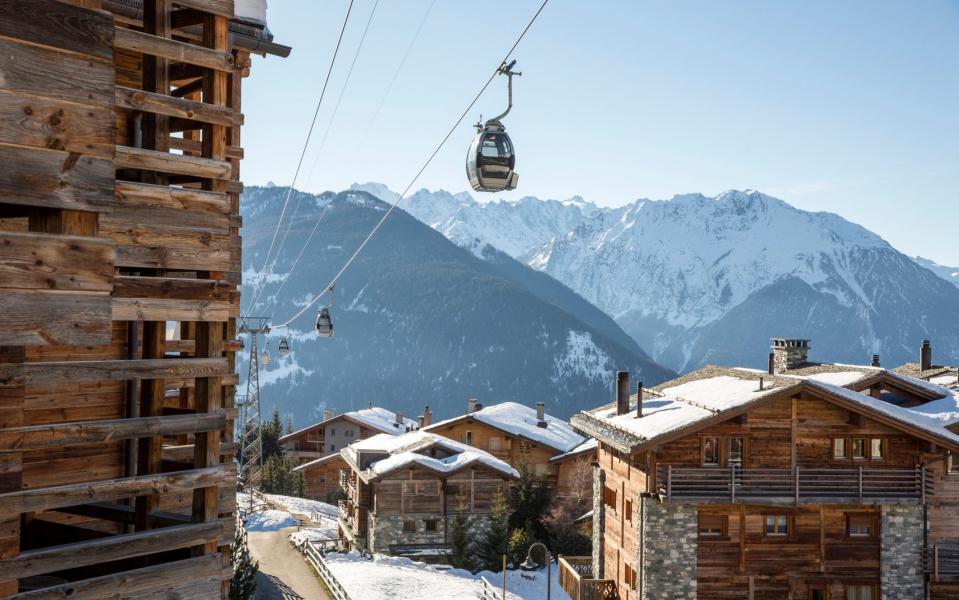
<point>393,578</point>
<point>288,511</point>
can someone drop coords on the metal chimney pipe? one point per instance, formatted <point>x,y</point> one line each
<point>639,400</point>
<point>925,356</point>
<point>875,360</point>
<point>622,392</point>
<point>771,368</point>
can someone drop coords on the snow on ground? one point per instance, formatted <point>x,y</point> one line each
<point>304,506</point>
<point>388,578</point>
<point>270,520</point>
<point>327,533</point>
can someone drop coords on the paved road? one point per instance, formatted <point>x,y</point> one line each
<point>284,575</point>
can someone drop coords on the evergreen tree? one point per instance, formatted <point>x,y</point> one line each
<point>461,551</point>
<point>493,545</point>
<point>243,582</point>
<point>279,478</point>
<point>272,431</point>
<point>528,500</point>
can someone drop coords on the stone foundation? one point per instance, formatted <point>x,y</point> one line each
<point>386,531</point>
<point>667,550</point>
<point>901,543</point>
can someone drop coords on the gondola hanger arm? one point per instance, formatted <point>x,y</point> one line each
<point>506,69</point>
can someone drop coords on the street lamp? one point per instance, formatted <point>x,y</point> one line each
<point>529,564</point>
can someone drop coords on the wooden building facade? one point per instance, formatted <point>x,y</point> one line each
<point>336,432</point>
<point>119,266</point>
<point>724,486</point>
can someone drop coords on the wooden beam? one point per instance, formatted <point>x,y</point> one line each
<point>90,552</point>
<point>185,346</point>
<point>152,160</point>
<point>33,500</point>
<point>122,513</point>
<point>149,309</point>
<point>60,26</point>
<point>185,452</point>
<point>223,8</point>
<point>56,124</point>
<point>235,152</point>
<point>50,317</point>
<point>32,437</point>
<point>136,41</point>
<point>110,370</point>
<point>54,178</point>
<point>42,71</point>
<point>141,195</point>
<point>174,107</point>
<point>135,583</point>
<point>38,261</point>
<point>173,288</point>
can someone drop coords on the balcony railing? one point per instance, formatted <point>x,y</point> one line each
<point>797,485</point>
<point>942,561</point>
<point>576,579</point>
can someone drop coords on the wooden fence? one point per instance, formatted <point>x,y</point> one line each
<point>315,557</point>
<point>576,579</point>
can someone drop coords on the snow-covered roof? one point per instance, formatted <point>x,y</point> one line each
<point>588,446</point>
<point>317,462</point>
<point>374,417</point>
<point>406,451</point>
<point>520,420</point>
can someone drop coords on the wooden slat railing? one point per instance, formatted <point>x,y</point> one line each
<point>941,561</point>
<point>576,579</point>
<point>798,484</point>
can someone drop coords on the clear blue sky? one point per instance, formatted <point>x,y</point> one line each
<point>850,107</point>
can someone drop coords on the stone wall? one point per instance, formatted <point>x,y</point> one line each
<point>599,521</point>
<point>667,550</point>
<point>388,530</point>
<point>901,545</point>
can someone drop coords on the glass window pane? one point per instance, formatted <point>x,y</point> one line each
<point>839,448</point>
<point>851,593</point>
<point>736,451</point>
<point>876,449</point>
<point>710,451</point>
<point>865,592</point>
<point>858,448</point>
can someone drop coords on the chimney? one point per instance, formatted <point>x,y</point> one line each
<point>789,353</point>
<point>399,419</point>
<point>471,405</point>
<point>925,356</point>
<point>875,360</point>
<point>420,419</point>
<point>328,413</point>
<point>771,368</point>
<point>761,384</point>
<point>427,416</point>
<point>541,415</point>
<point>639,400</point>
<point>622,392</point>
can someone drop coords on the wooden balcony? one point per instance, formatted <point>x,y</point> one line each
<point>576,579</point>
<point>942,562</point>
<point>856,485</point>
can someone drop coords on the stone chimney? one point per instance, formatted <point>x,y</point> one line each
<point>789,353</point>
<point>622,392</point>
<point>427,416</point>
<point>541,415</point>
<point>925,356</point>
<point>875,360</point>
<point>639,400</point>
<point>471,406</point>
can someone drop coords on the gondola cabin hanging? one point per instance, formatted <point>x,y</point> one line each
<point>491,157</point>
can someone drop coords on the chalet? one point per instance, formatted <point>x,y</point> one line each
<point>336,432</point>
<point>521,436</point>
<point>120,155</point>
<point>803,481</point>
<point>321,477</point>
<point>402,492</point>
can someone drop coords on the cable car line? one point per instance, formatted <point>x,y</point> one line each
<point>309,177</point>
<point>259,284</point>
<point>396,74</point>
<point>386,215</point>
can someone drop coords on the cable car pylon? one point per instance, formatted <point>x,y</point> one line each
<point>251,433</point>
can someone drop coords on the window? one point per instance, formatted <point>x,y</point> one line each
<point>628,509</point>
<point>333,432</point>
<point>609,497</point>
<point>859,448</point>
<point>860,592</point>
<point>430,524</point>
<point>409,526</point>
<point>332,447</point>
<point>839,448</point>
<point>712,526</point>
<point>777,525</point>
<point>876,449</point>
<point>468,438</point>
<point>860,525</point>
<point>710,451</point>
<point>737,451</point>
<point>495,443</point>
<point>952,465</point>
<point>817,592</point>
<point>630,576</point>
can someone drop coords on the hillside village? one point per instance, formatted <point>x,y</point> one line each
<point>500,433</point>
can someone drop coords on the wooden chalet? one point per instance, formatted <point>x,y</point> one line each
<point>402,492</point>
<point>804,483</point>
<point>523,437</point>
<point>119,225</point>
<point>336,432</point>
<point>322,476</point>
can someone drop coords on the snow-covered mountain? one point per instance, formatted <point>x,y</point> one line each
<point>697,279</point>
<point>950,274</point>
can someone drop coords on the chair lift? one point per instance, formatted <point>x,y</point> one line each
<point>283,349</point>
<point>491,159</point>
<point>324,322</point>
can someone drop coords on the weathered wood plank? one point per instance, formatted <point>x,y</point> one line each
<point>110,370</point>
<point>169,248</point>
<point>144,194</point>
<point>38,71</point>
<point>16,439</point>
<point>55,179</point>
<point>174,107</point>
<point>223,8</point>
<point>152,160</point>
<point>172,288</point>
<point>158,309</point>
<point>56,124</point>
<point>186,346</point>
<point>117,547</point>
<point>42,317</point>
<point>59,25</point>
<point>186,145</point>
<point>38,261</point>
<point>137,41</point>
<point>100,491</point>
